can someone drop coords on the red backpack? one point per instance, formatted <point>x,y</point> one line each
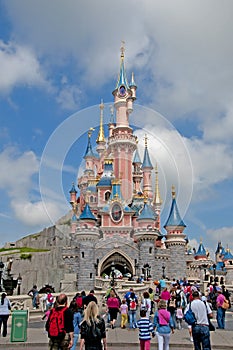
<point>55,325</point>
<point>79,302</point>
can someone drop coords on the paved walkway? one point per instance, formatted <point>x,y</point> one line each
<point>117,339</point>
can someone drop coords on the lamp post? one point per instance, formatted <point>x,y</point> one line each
<point>1,269</point>
<point>214,269</point>
<point>163,267</point>
<point>204,268</point>
<point>113,274</point>
<point>125,269</point>
<point>19,282</point>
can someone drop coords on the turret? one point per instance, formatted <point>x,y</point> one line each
<point>137,173</point>
<point>146,170</point>
<point>157,201</point>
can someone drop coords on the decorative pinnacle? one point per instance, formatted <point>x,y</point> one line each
<point>173,192</point>
<point>146,139</point>
<point>90,132</point>
<point>157,198</point>
<point>122,49</point>
<point>101,137</point>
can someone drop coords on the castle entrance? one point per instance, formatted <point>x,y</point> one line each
<point>118,265</point>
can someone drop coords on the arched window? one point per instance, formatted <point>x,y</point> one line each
<point>107,196</point>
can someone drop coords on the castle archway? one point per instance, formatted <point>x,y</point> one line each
<point>120,262</point>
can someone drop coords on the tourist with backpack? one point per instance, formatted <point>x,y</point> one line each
<point>146,303</point>
<point>163,325</point>
<point>59,325</point>
<point>92,329</point>
<point>113,305</point>
<point>132,309</point>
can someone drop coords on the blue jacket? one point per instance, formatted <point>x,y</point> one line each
<point>163,329</point>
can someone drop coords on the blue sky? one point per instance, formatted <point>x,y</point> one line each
<point>59,59</point>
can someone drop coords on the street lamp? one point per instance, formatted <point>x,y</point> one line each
<point>214,269</point>
<point>112,274</point>
<point>1,270</point>
<point>163,267</point>
<point>19,282</point>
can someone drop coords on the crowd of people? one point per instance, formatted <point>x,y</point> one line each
<point>157,312</point>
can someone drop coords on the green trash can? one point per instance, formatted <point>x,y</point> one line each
<point>19,324</point>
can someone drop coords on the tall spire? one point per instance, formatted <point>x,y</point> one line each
<point>101,137</point>
<point>89,151</point>
<point>157,201</point>
<point>122,80</point>
<point>174,218</point>
<point>146,160</point>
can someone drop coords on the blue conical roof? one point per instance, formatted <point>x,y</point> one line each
<point>73,189</point>
<point>87,214</point>
<point>89,152</point>
<point>146,213</point>
<point>146,160</point>
<point>122,80</point>
<point>174,218</point>
<point>228,255</point>
<point>201,250</point>
<point>136,158</point>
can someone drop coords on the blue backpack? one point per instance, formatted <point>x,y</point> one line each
<point>189,317</point>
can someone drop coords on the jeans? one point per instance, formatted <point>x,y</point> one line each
<point>132,318</point>
<point>201,337</point>
<point>163,340</point>
<point>75,341</point>
<point>3,320</point>
<point>221,317</point>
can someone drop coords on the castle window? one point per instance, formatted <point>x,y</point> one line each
<point>82,254</point>
<point>91,275</point>
<point>107,196</point>
<point>150,250</point>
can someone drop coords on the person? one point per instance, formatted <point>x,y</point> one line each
<point>113,307</point>
<point>77,319</point>
<point>145,330</point>
<point>60,337</point>
<point>165,294</point>
<point>5,307</point>
<point>163,324</point>
<point>171,305</point>
<point>151,295</point>
<point>124,313</point>
<point>146,303</point>
<point>200,330</point>
<point>92,329</point>
<point>89,297</point>
<point>132,309</point>
<point>221,312</point>
<point>179,317</point>
<point>34,294</point>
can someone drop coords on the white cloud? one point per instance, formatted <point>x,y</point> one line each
<point>19,66</point>
<point>223,235</point>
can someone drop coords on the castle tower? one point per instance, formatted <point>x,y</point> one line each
<point>87,235</point>
<point>101,139</point>
<point>175,241</point>
<point>157,201</point>
<point>146,170</point>
<point>122,142</point>
<point>145,236</point>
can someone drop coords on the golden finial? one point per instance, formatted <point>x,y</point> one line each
<point>157,198</point>
<point>101,137</point>
<point>122,49</point>
<point>173,192</point>
<point>90,132</point>
<point>200,240</point>
<point>146,139</point>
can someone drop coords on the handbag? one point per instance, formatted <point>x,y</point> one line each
<point>225,304</point>
<point>211,326</point>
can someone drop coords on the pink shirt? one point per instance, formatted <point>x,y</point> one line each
<point>165,295</point>
<point>220,299</point>
<point>113,303</point>
<point>124,309</point>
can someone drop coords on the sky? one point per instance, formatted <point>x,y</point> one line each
<point>58,59</point>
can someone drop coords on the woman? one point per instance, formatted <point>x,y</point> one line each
<point>146,304</point>
<point>77,318</point>
<point>5,308</point>
<point>92,329</point>
<point>163,324</point>
<point>113,307</point>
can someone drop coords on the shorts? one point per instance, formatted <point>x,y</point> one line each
<point>59,344</point>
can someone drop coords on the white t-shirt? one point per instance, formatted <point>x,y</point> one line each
<point>200,310</point>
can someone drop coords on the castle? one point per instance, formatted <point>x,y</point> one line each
<point>115,225</point>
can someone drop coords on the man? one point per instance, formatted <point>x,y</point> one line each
<point>200,331</point>
<point>89,297</point>
<point>60,325</point>
<point>35,297</point>
<point>220,310</point>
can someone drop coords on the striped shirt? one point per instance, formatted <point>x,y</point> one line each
<point>145,328</point>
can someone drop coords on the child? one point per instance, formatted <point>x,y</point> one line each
<point>124,313</point>
<point>145,328</point>
<point>179,317</point>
